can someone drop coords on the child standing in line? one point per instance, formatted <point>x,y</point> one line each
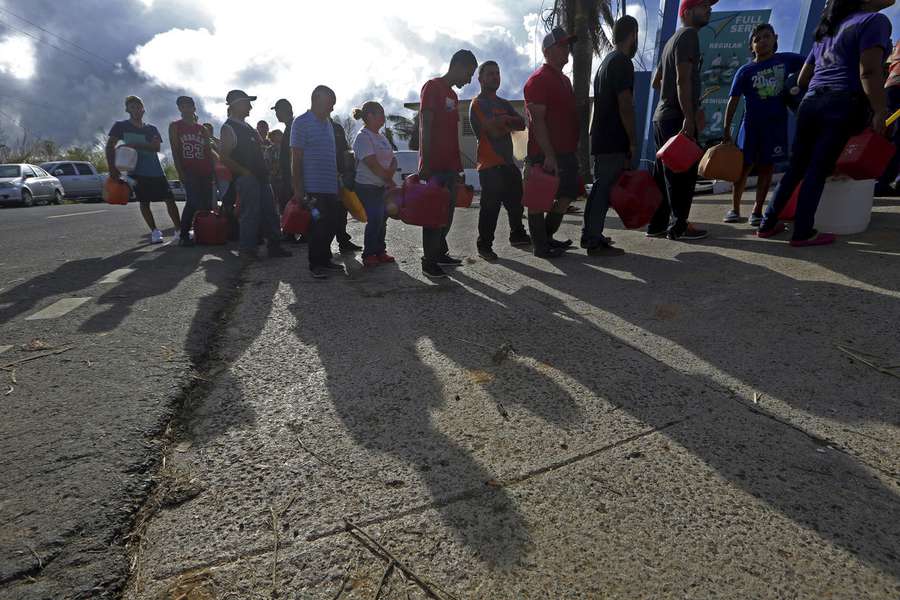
<point>763,135</point>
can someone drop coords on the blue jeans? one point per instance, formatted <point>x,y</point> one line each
<point>826,119</point>
<point>257,207</point>
<point>198,192</point>
<point>372,197</point>
<point>607,168</point>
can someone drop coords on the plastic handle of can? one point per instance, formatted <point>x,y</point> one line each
<point>892,118</point>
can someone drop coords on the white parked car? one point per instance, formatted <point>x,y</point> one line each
<point>80,179</point>
<point>28,185</point>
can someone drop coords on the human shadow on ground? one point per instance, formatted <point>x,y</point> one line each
<point>68,278</point>
<point>773,349</point>
<point>402,375</point>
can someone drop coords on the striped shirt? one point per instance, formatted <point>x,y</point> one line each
<point>316,138</point>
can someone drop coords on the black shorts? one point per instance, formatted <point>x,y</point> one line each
<point>151,189</point>
<point>567,171</point>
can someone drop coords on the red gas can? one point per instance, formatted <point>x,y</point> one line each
<point>866,156</point>
<point>295,219</point>
<point>210,228</point>
<point>540,189</point>
<point>425,204</point>
<point>464,196</point>
<point>116,191</point>
<point>680,153</point>
<point>635,197</point>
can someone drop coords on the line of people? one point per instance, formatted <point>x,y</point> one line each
<point>310,161</point>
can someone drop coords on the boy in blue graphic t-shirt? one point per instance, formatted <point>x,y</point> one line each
<point>763,135</point>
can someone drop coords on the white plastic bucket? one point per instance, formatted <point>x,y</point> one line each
<point>126,158</point>
<point>846,206</point>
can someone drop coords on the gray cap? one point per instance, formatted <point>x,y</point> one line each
<point>558,36</point>
<point>236,96</point>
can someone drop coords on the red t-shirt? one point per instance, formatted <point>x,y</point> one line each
<point>441,100</point>
<point>553,90</point>
<point>195,157</point>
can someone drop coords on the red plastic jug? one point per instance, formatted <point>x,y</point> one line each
<point>866,156</point>
<point>635,197</point>
<point>210,228</point>
<point>464,196</point>
<point>425,204</point>
<point>680,153</point>
<point>295,219</point>
<point>116,191</point>
<point>540,189</point>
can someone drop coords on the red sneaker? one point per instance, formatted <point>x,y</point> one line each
<point>371,261</point>
<point>779,227</point>
<point>386,258</point>
<point>818,239</point>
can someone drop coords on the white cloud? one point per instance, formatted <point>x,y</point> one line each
<point>276,49</point>
<point>17,57</point>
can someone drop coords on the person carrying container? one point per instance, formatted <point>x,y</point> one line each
<point>375,169</point>
<point>763,136</point>
<point>193,160</point>
<point>845,76</point>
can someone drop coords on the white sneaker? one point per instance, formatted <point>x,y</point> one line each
<point>156,237</point>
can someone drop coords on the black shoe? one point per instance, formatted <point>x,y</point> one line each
<point>520,238</point>
<point>487,254</point>
<point>657,234</point>
<point>318,272</point>
<point>449,261</point>
<point>333,266</point>
<point>276,251</point>
<point>186,242</point>
<point>690,234</point>
<point>549,253</point>
<point>559,244</point>
<point>349,247</point>
<point>433,271</point>
<point>604,250</point>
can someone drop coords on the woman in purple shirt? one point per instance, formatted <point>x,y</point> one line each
<point>846,92</point>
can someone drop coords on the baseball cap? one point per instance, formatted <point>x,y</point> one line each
<point>237,95</point>
<point>282,102</point>
<point>558,36</point>
<point>687,5</point>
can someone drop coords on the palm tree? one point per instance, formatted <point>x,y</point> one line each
<point>406,129</point>
<point>585,19</point>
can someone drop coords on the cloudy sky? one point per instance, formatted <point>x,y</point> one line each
<point>65,67</point>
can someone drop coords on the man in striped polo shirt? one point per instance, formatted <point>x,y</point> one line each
<point>315,177</point>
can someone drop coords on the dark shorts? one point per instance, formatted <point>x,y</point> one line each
<point>762,145</point>
<point>151,189</point>
<point>567,171</point>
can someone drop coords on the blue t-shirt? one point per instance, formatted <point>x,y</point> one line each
<point>762,85</point>
<point>836,58</point>
<point>148,161</point>
<point>316,138</point>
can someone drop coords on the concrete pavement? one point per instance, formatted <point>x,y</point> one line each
<point>683,421</point>
<point>83,430</point>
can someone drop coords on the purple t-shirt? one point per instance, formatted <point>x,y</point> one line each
<point>836,58</point>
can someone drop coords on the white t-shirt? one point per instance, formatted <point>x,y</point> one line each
<point>366,144</point>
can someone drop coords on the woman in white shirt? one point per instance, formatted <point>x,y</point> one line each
<point>375,168</point>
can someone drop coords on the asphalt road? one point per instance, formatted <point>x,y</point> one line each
<point>686,420</point>
<point>82,430</point>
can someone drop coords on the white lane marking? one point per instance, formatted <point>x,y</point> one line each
<point>58,309</point>
<point>4,349</point>
<point>116,276</point>
<point>75,214</point>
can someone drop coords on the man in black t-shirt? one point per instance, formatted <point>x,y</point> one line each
<point>678,80</point>
<point>613,137</point>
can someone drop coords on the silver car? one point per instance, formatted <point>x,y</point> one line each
<point>79,178</point>
<point>28,185</point>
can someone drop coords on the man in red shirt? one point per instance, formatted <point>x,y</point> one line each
<point>439,152</point>
<point>552,139</point>
<point>192,155</point>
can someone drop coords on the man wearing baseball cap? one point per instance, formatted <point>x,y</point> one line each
<point>242,154</point>
<point>552,139</point>
<point>678,80</point>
